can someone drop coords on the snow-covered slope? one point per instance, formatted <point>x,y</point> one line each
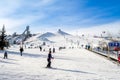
<point>63,39</point>
<point>52,39</point>
<point>71,63</point>
<point>68,64</point>
<point>48,34</point>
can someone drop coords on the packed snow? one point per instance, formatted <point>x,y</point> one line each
<point>68,64</point>
<point>73,62</point>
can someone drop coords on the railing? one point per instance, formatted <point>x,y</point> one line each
<point>113,55</point>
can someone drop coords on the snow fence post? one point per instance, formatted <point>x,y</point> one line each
<point>108,52</point>
<point>118,57</point>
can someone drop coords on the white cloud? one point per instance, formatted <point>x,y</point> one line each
<point>113,28</point>
<point>12,21</point>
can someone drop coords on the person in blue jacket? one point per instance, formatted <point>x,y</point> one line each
<point>5,55</point>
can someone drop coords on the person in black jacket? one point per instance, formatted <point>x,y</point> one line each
<point>49,59</point>
<point>40,48</point>
<point>21,50</point>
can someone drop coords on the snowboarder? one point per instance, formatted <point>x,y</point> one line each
<point>49,59</point>
<point>21,50</point>
<point>5,55</point>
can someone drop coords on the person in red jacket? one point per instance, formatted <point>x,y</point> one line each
<point>119,58</point>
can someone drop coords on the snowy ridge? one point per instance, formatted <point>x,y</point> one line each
<point>62,32</point>
<point>58,39</point>
<point>48,34</point>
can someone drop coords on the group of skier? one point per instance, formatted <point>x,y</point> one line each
<point>49,57</point>
<point>6,53</point>
<point>41,49</point>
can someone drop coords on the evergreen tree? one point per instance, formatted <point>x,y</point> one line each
<point>2,38</point>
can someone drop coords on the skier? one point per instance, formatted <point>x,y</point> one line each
<point>53,50</point>
<point>40,48</point>
<point>49,49</point>
<point>21,50</point>
<point>82,45</point>
<point>86,47</point>
<point>44,50</point>
<point>49,59</point>
<point>5,55</point>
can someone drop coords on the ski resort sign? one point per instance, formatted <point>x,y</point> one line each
<point>114,44</point>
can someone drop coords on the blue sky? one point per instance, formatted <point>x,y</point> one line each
<point>47,15</point>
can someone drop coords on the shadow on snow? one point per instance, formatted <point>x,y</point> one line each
<point>1,61</point>
<point>68,70</point>
<point>28,54</point>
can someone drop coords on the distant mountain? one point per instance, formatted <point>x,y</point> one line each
<point>48,34</point>
<point>45,39</point>
<point>45,36</point>
<point>62,32</point>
